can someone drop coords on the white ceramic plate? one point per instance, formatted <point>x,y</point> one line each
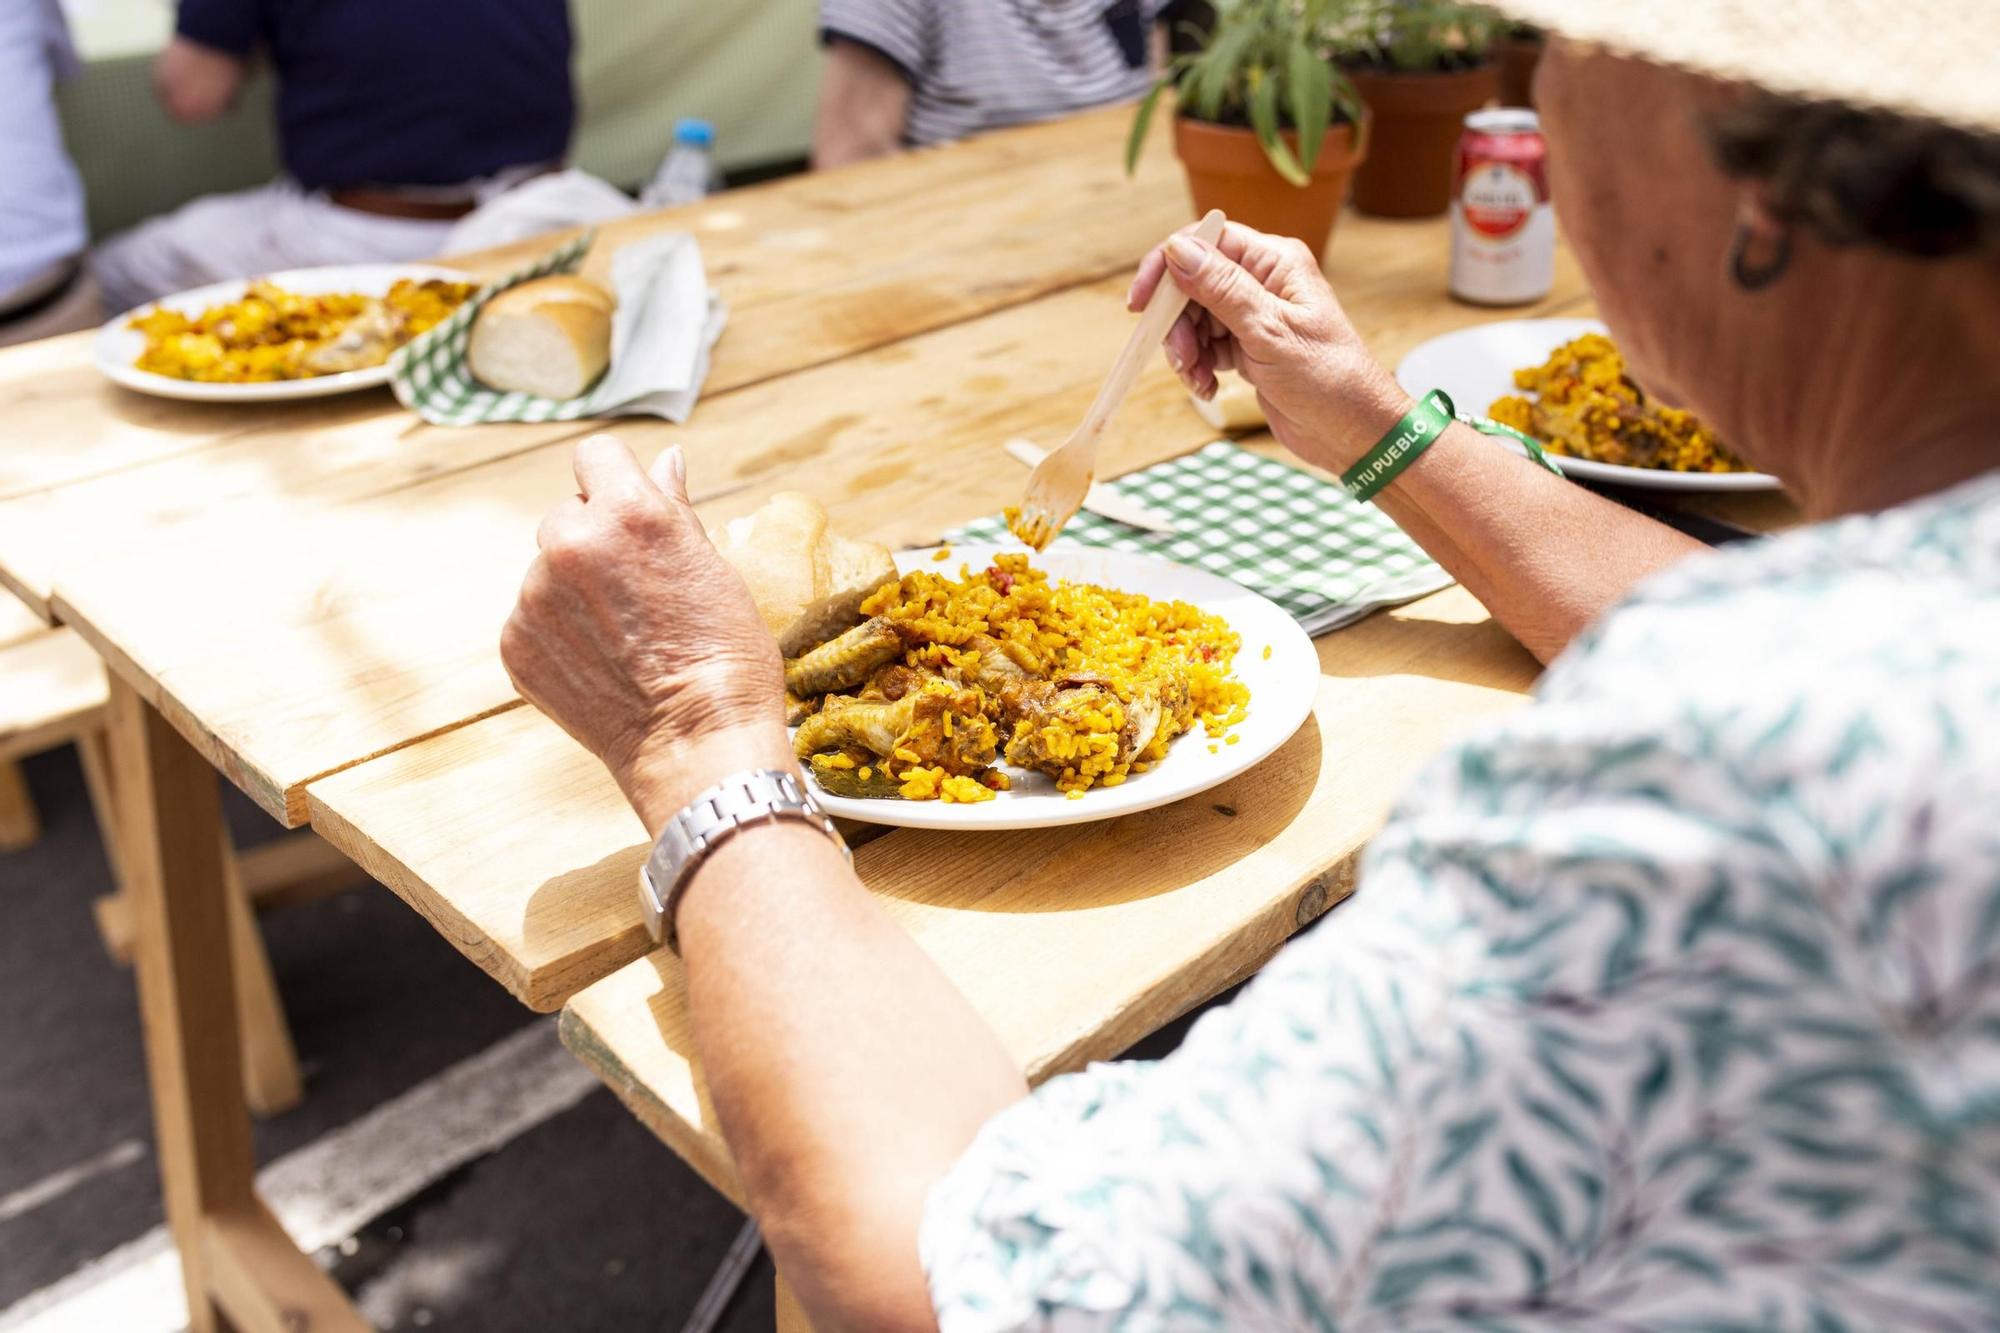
<point>1476,365</point>
<point>1282,688</point>
<point>118,346</point>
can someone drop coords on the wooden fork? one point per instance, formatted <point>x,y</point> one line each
<point>1057,488</point>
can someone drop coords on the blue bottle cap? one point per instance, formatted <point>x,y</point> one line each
<point>695,131</point>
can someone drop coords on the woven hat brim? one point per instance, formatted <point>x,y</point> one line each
<point>1934,59</point>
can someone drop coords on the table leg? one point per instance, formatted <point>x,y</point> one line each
<point>791,1315</point>
<point>19,825</point>
<point>239,1268</point>
<point>271,1079</point>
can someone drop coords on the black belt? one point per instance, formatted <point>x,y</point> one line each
<point>47,297</point>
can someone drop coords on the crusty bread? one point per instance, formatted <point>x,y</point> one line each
<point>550,337</point>
<point>808,582</point>
<point>1234,409</point>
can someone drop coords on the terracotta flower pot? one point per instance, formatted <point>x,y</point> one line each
<point>1518,58</point>
<point>1417,120</point>
<point>1227,169</point>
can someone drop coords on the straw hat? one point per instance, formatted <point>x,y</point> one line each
<point>1937,59</point>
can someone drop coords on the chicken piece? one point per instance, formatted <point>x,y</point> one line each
<point>894,681</point>
<point>843,723</point>
<point>942,726</point>
<point>797,710</point>
<point>846,660</point>
<point>1007,674</point>
<point>366,341</point>
<point>1076,706</point>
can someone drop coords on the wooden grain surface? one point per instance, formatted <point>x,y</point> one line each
<point>52,687</point>
<point>1075,942</point>
<point>814,268</point>
<point>382,591</point>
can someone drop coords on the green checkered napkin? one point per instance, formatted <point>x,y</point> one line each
<point>1271,527</point>
<point>429,372</point>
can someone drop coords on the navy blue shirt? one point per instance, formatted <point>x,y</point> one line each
<point>404,92</point>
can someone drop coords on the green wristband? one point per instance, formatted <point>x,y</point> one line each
<point>1416,432</point>
<point>1395,451</point>
<point>1488,426</point>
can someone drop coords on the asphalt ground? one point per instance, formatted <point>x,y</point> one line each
<point>577,1220</point>
<point>583,1221</point>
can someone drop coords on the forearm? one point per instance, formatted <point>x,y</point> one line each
<point>863,103</point>
<point>1546,557</point>
<point>847,1071</point>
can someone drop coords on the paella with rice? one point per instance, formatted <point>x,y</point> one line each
<point>1586,406</point>
<point>271,333</point>
<point>947,681</point>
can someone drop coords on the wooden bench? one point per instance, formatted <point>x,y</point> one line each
<point>53,692</point>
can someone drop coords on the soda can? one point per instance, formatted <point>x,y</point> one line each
<point>1503,232</point>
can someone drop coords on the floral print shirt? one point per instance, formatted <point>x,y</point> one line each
<point>1671,1002</point>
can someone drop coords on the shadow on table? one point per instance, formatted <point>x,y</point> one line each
<point>1084,866</point>
<point>1476,652</point>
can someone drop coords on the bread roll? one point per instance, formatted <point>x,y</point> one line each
<point>1234,409</point>
<point>550,337</point>
<point>808,583</point>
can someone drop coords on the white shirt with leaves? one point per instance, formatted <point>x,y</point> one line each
<point>1669,1003</point>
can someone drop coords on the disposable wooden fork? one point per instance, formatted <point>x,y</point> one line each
<point>1057,488</point>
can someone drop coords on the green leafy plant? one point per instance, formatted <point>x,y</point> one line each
<point>1265,64</point>
<point>1413,36</point>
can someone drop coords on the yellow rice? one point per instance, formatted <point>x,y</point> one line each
<point>1068,631</point>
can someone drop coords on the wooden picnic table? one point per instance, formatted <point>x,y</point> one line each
<point>307,597</point>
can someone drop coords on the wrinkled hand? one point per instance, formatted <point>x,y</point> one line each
<point>640,640</point>
<point>1260,306</point>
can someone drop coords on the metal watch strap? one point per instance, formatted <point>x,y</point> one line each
<point>711,819</point>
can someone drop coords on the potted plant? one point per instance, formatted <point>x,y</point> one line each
<point>1520,51</point>
<point>1420,65</point>
<point>1267,127</point>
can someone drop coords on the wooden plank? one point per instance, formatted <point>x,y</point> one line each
<point>385,610</point>
<point>271,1079</point>
<point>17,622</point>
<point>20,825</point>
<point>814,268</point>
<point>1074,943</point>
<point>169,814</point>
<point>52,689</point>
<point>265,1285</point>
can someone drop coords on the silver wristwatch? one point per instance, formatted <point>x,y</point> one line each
<point>710,820</point>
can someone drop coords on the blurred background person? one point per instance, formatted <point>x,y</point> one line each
<point>44,289</point>
<point>395,121</point>
<point>902,72</point>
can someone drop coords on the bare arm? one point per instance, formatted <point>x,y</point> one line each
<point>196,83</point>
<point>1545,557</point>
<point>848,1073</point>
<point>863,104</point>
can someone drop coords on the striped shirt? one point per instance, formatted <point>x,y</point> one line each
<point>976,65</point>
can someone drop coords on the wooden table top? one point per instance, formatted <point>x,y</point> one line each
<point>313,594</point>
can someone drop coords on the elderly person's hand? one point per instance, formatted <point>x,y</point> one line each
<point>1259,305</point>
<point>640,640</point>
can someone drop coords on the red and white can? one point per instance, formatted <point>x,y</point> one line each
<point>1503,232</point>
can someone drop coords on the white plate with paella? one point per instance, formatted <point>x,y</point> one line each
<point>994,689</point>
<point>304,333</point>
<point>1563,382</point>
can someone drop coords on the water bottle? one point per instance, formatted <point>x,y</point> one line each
<point>687,173</point>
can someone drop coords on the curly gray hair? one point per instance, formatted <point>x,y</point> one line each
<point>1856,177</point>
